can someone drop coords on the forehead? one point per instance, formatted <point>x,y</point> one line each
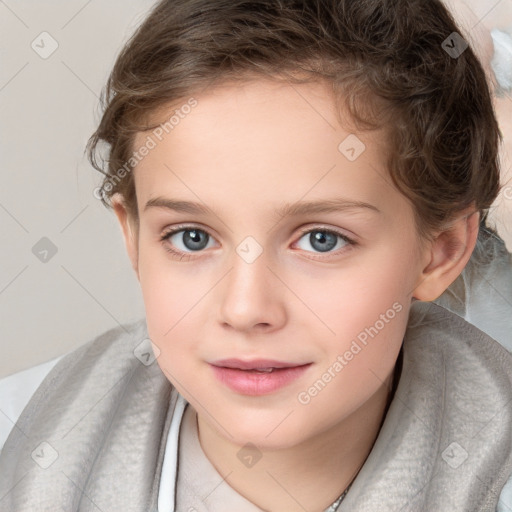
<point>266,139</point>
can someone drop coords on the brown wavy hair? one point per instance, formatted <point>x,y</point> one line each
<point>384,60</point>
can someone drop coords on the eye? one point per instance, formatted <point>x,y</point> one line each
<point>182,241</point>
<point>186,239</point>
<point>324,240</point>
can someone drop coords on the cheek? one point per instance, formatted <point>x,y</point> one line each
<point>173,315</point>
<point>356,363</point>
<point>172,304</point>
<point>363,301</point>
<point>168,286</point>
<point>355,296</point>
<point>366,309</point>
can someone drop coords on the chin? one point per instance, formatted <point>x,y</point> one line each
<point>266,431</point>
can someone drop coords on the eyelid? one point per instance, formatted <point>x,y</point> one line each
<point>183,227</point>
<point>320,227</point>
<point>302,231</point>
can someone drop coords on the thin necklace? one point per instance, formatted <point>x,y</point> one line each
<point>396,377</point>
<point>336,504</point>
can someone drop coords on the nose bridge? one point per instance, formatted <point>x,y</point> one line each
<point>248,298</point>
<point>249,272</point>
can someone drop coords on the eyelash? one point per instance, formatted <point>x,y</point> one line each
<point>187,256</point>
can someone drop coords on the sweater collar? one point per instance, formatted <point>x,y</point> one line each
<point>94,434</point>
<point>449,421</point>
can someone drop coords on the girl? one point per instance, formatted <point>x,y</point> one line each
<point>295,183</point>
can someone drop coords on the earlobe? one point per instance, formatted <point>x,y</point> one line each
<point>128,229</point>
<point>447,256</point>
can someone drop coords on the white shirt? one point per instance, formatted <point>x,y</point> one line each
<point>198,486</point>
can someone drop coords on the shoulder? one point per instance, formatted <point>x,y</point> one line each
<point>478,382</point>
<point>456,339</point>
<point>120,343</point>
<point>446,442</point>
<point>91,370</point>
<point>123,337</point>
<point>104,398</point>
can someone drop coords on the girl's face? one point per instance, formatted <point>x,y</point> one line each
<point>270,235</point>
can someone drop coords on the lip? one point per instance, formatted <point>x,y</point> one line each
<point>243,377</point>
<point>254,364</point>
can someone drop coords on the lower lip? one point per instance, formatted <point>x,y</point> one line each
<point>253,383</point>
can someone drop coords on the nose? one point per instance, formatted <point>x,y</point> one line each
<point>252,297</point>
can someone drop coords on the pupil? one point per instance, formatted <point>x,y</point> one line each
<point>192,239</point>
<point>321,242</point>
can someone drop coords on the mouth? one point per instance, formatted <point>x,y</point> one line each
<point>257,377</point>
<point>265,365</point>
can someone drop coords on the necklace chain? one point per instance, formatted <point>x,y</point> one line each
<point>396,376</point>
<point>336,504</point>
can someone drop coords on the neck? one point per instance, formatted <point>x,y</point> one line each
<point>308,476</point>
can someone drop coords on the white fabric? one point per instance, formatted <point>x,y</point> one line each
<point>167,489</point>
<point>15,392</point>
<point>502,59</point>
<point>505,503</point>
<point>200,487</point>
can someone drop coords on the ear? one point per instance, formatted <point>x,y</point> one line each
<point>129,230</point>
<point>447,255</point>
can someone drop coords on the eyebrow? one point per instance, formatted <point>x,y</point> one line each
<point>285,210</point>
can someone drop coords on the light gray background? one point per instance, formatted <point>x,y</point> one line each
<point>49,108</point>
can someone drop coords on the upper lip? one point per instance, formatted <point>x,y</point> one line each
<point>254,364</point>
